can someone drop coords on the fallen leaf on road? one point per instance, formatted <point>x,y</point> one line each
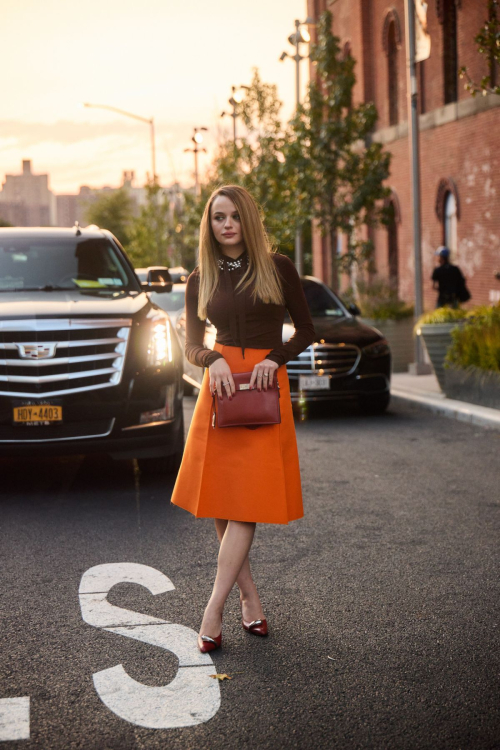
<point>220,677</point>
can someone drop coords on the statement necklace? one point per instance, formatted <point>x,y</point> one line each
<point>232,264</point>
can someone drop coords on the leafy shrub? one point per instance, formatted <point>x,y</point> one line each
<point>477,343</point>
<point>378,300</point>
<point>441,315</point>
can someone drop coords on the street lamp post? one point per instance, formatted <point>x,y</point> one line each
<point>149,121</point>
<point>300,36</point>
<point>197,139</point>
<point>235,99</point>
<point>419,367</point>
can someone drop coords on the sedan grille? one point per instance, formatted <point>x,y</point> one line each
<point>52,357</point>
<point>326,359</point>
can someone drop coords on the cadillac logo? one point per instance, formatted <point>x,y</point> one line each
<point>37,351</point>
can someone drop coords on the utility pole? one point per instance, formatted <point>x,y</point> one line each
<point>197,139</point>
<point>300,36</point>
<point>419,367</point>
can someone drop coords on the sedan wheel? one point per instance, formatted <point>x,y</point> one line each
<point>375,404</point>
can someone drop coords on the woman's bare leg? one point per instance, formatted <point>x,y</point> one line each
<point>249,597</point>
<point>234,548</point>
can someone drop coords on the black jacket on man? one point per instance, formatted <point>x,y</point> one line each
<point>451,284</point>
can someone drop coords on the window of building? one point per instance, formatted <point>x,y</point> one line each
<point>493,64</point>
<point>392,73</point>
<point>421,87</point>
<point>392,246</point>
<point>450,55</point>
<point>450,222</point>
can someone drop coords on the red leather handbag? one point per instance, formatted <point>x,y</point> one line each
<point>247,408</point>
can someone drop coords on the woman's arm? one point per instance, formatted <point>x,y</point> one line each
<point>296,304</point>
<point>195,350</point>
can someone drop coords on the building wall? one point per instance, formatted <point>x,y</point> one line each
<point>459,143</point>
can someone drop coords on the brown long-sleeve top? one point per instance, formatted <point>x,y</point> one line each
<point>242,322</point>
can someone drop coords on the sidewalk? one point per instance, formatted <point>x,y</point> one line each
<point>423,391</point>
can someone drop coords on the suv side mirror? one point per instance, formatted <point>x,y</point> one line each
<point>159,280</point>
<point>354,309</point>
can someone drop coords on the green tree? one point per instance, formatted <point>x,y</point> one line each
<point>256,163</point>
<point>488,45</point>
<point>149,233</point>
<point>112,211</point>
<point>334,168</point>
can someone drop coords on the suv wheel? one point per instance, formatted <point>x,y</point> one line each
<point>161,465</point>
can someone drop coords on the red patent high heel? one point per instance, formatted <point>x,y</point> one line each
<point>206,643</point>
<point>257,627</point>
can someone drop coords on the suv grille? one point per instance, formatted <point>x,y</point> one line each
<point>328,359</point>
<point>51,357</point>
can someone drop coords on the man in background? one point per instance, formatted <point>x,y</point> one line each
<point>449,281</point>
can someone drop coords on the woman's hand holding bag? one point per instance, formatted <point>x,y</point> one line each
<point>221,377</point>
<point>263,374</point>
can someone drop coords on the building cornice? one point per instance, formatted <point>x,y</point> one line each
<point>440,116</point>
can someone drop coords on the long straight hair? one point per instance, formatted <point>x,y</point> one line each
<point>261,271</point>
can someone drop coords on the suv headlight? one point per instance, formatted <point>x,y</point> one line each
<point>160,343</point>
<point>377,349</point>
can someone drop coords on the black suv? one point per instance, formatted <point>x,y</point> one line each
<point>87,362</point>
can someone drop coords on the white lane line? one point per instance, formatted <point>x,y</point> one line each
<point>192,697</point>
<point>14,718</point>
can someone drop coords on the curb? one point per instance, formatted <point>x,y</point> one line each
<point>481,416</point>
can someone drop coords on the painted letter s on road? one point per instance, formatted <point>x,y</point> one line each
<point>192,697</point>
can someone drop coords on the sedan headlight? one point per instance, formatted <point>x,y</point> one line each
<point>377,349</point>
<point>160,343</point>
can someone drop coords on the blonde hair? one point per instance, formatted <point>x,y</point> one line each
<point>261,271</point>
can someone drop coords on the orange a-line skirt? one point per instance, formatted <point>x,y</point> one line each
<point>239,474</point>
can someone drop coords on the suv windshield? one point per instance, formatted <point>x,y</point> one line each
<point>321,301</point>
<point>51,264</point>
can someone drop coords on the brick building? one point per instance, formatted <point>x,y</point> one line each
<point>459,141</point>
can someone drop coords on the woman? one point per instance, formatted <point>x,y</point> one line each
<point>240,476</point>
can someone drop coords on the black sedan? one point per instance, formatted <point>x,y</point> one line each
<point>348,361</point>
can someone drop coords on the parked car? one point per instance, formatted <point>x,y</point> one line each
<point>88,363</point>
<point>176,274</point>
<point>348,361</point>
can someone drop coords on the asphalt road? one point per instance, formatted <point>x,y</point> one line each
<point>382,601</point>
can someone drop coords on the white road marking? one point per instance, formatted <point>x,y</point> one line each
<point>192,697</point>
<point>14,718</point>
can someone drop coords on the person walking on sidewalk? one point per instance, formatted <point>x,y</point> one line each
<point>239,476</point>
<point>449,281</point>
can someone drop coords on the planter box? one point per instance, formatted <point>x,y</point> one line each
<point>399,334</point>
<point>473,385</point>
<point>437,339</point>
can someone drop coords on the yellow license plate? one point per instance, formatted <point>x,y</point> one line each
<point>37,413</point>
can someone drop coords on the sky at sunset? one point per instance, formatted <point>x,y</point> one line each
<point>174,61</point>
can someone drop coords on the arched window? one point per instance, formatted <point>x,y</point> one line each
<point>391,42</point>
<point>392,74</point>
<point>450,222</point>
<point>392,251</point>
<point>448,211</point>
<point>448,17</point>
<point>393,219</point>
